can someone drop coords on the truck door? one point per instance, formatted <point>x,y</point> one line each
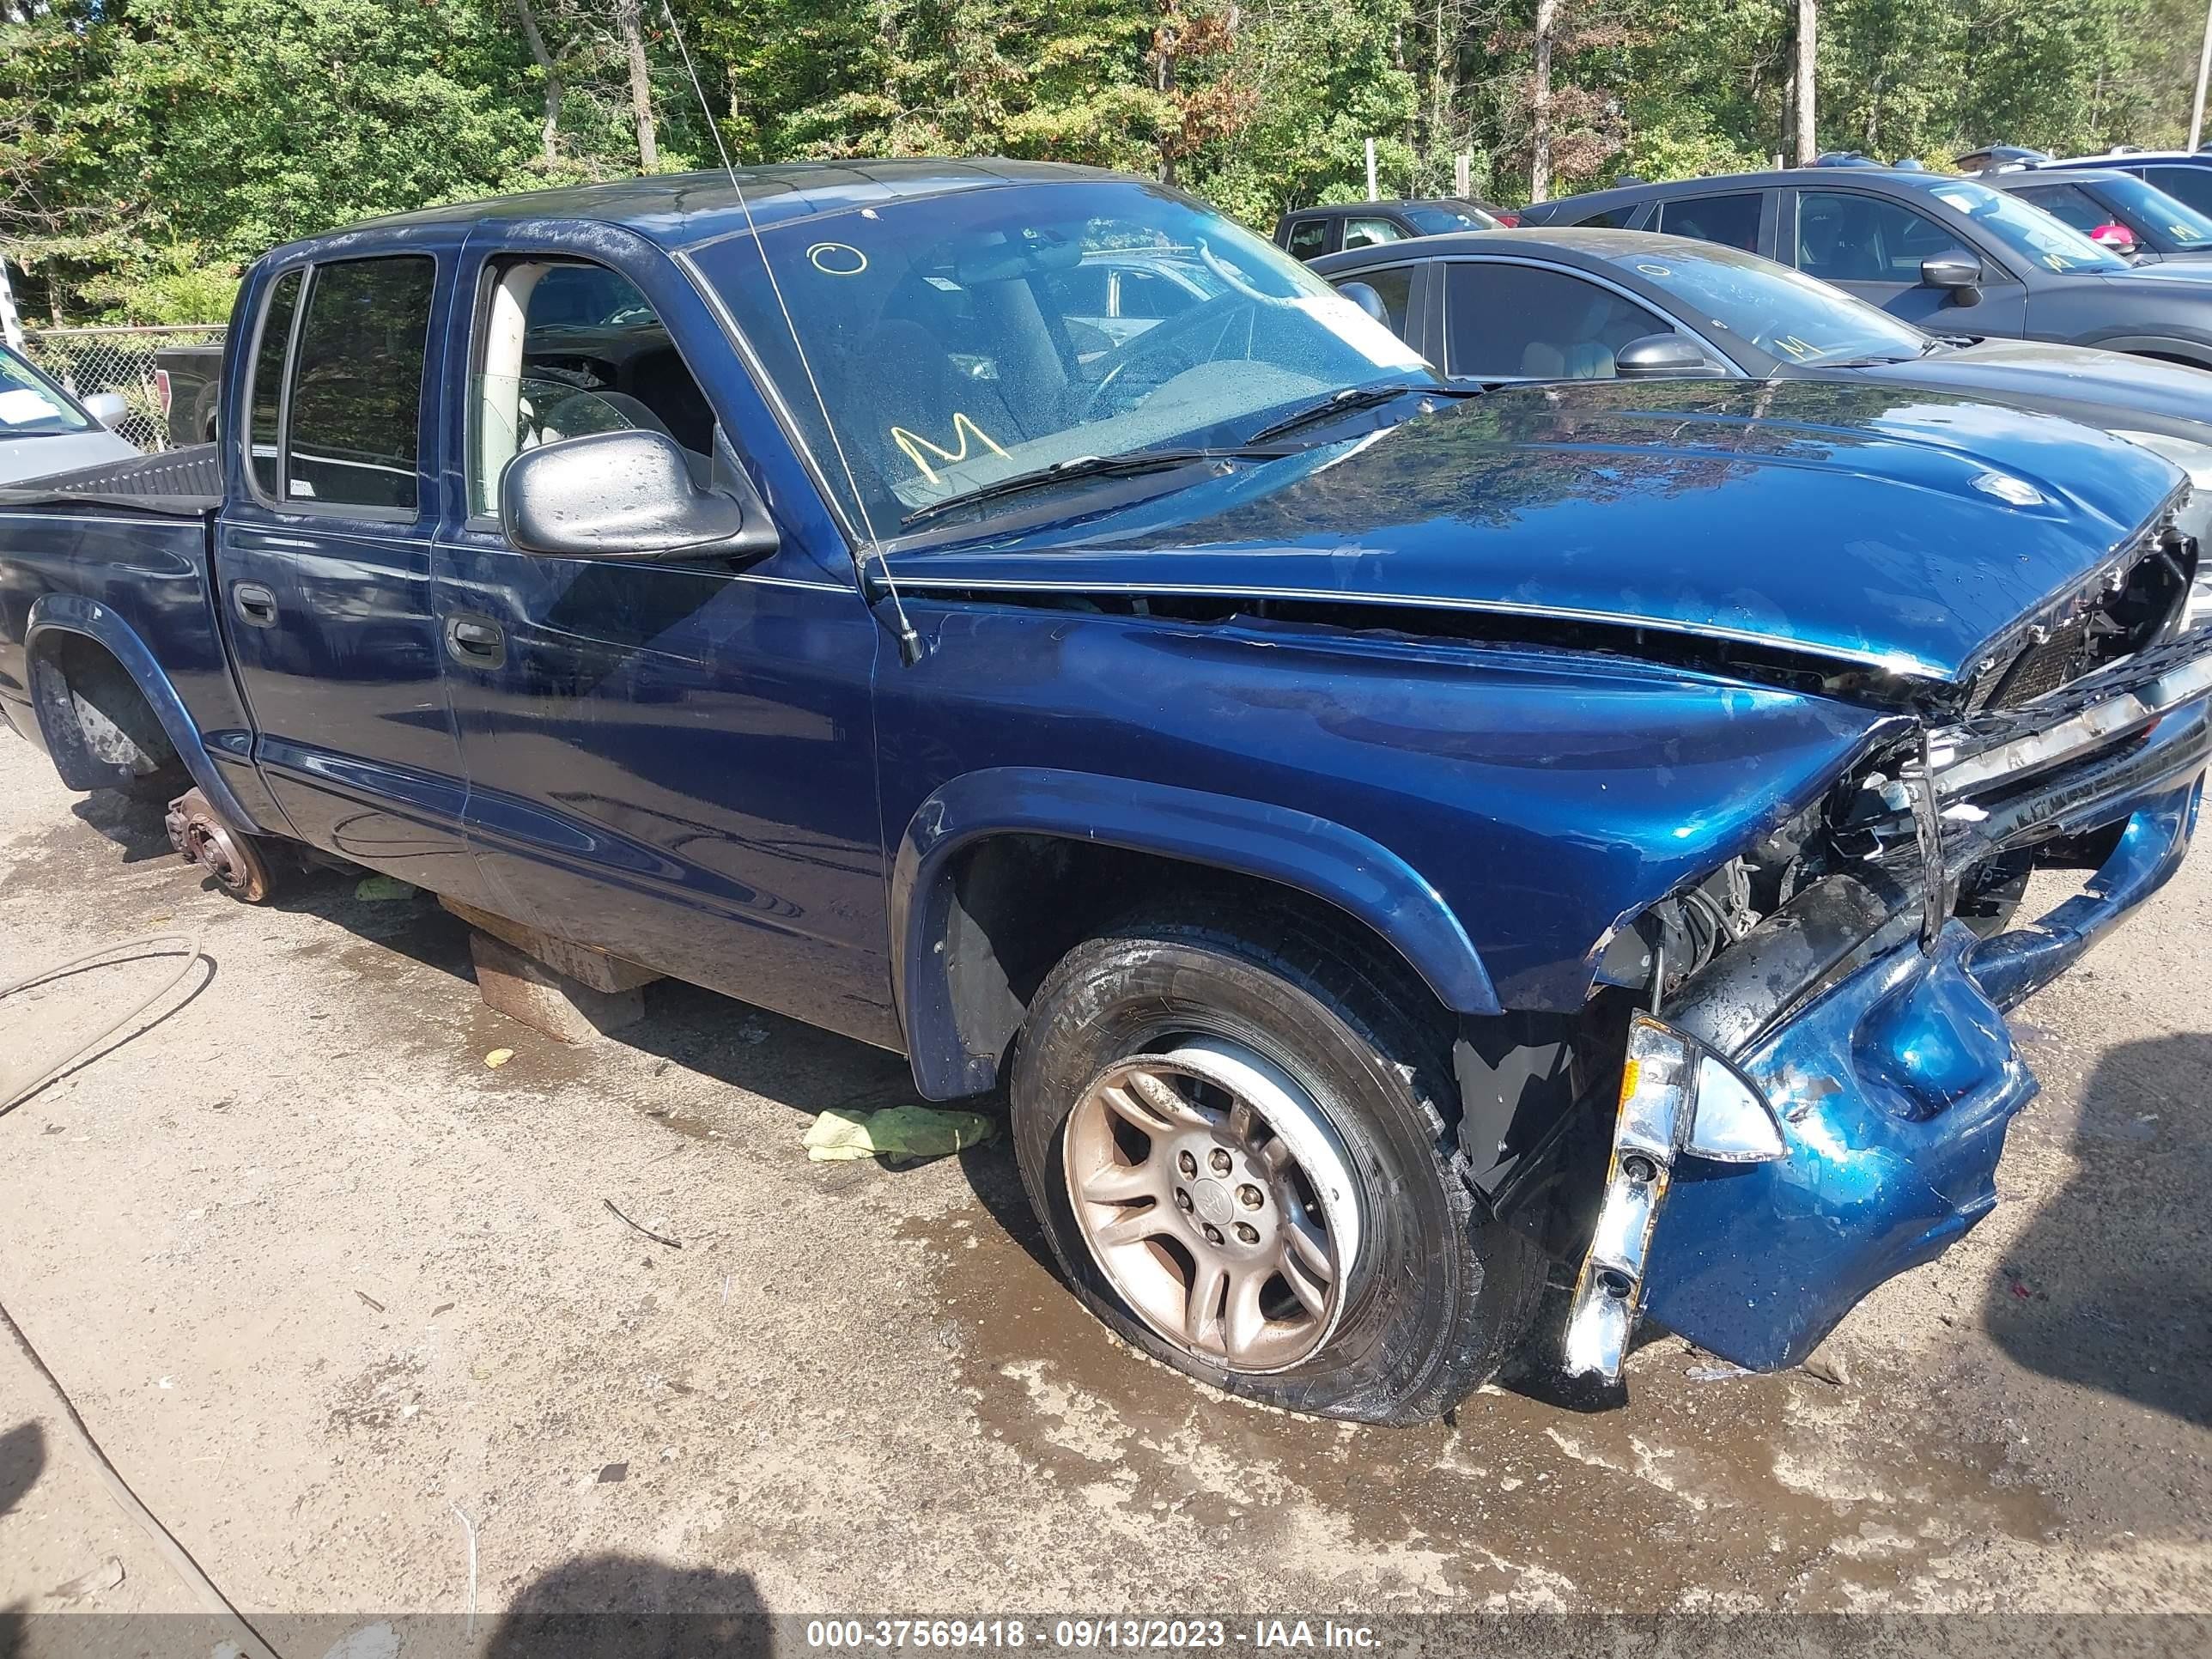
<point>322,554</point>
<point>673,762</point>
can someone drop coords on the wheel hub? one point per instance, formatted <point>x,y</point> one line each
<point>1218,1200</point>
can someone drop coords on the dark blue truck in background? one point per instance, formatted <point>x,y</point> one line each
<point>1398,850</point>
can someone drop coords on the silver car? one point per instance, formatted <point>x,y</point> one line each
<point>44,430</point>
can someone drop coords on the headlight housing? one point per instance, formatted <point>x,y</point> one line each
<point>2196,459</point>
<point>1677,1098</point>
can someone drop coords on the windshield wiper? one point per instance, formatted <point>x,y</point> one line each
<point>1082,467</point>
<point>1353,399</point>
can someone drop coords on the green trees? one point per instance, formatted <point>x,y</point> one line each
<point>148,147</point>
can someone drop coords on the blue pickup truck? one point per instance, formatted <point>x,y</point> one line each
<point>1399,850</point>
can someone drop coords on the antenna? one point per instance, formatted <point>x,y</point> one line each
<point>911,649</point>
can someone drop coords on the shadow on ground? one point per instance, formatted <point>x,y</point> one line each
<point>2109,1287</point>
<point>631,1607</point>
<point>22,1461</point>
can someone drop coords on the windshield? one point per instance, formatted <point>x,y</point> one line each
<point>1782,312</point>
<point>2027,229</point>
<point>1440,221</point>
<point>957,339</point>
<point>30,407</point>
<point>2184,229</point>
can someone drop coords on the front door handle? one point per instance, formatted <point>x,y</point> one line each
<point>475,641</point>
<point>256,604</point>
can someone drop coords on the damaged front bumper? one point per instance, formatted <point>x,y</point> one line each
<point>1880,1044</point>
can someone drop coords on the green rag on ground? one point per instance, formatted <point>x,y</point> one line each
<point>915,1132</point>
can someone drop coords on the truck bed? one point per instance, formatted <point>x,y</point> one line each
<point>183,484</point>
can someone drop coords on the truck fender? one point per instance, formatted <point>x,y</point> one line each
<point>73,613</point>
<point>1324,859</point>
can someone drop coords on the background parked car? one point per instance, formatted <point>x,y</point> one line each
<point>2122,211</point>
<point>44,430</point>
<point>1950,253</point>
<point>1576,304</point>
<point>2184,174</point>
<point>189,381</point>
<point>1309,232</point>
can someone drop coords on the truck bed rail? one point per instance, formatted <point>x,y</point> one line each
<point>182,484</point>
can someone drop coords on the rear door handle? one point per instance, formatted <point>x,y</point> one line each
<point>475,641</point>
<point>256,604</point>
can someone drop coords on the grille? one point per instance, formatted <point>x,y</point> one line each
<point>2044,667</point>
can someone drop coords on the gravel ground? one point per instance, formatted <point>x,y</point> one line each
<point>318,1278</point>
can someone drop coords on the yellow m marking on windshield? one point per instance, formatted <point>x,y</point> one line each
<point>963,429</point>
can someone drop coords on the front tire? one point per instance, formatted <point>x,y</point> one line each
<point>1243,1157</point>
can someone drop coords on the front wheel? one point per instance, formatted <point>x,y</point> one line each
<point>1243,1157</point>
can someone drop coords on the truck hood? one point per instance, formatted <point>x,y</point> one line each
<point>58,452</point>
<point>1889,526</point>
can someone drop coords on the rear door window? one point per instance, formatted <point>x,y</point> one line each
<point>355,417</point>
<point>1309,239</point>
<point>1505,322</point>
<point>1732,220</point>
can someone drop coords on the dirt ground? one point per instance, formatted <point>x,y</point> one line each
<point>322,1281</point>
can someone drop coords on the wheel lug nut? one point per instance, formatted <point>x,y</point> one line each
<point>1248,1196</point>
<point>1186,1163</point>
<point>1212,1234</point>
<point>1219,1160</point>
<point>1247,1233</point>
<point>1183,1200</point>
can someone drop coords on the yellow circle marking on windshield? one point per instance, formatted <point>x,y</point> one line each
<point>1655,270</point>
<point>837,259</point>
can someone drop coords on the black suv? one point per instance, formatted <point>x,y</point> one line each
<point>1950,254</point>
<point>1308,233</point>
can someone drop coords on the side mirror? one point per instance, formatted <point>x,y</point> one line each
<point>1662,357</point>
<point>108,408</point>
<point>1958,273</point>
<point>623,496</point>
<point>1365,297</point>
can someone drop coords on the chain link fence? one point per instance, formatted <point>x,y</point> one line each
<point>89,361</point>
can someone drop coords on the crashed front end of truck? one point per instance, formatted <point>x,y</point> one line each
<point>1814,1082</point>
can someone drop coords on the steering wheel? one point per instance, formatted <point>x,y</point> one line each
<point>1138,367</point>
